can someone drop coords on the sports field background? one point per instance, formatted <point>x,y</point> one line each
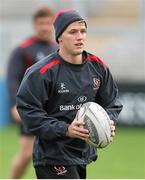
<point>124,158</point>
<point>116,35</point>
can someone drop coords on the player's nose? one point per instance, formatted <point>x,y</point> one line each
<point>79,35</point>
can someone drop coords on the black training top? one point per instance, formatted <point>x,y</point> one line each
<point>49,96</point>
<point>26,54</point>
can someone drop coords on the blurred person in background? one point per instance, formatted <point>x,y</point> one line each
<point>30,51</point>
<point>47,101</point>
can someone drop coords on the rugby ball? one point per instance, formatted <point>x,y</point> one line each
<point>97,122</point>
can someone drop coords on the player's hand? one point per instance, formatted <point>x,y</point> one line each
<point>75,130</point>
<point>112,125</point>
<point>15,114</point>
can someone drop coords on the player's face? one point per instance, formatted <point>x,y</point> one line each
<point>73,38</point>
<point>43,27</point>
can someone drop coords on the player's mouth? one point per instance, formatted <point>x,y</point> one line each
<point>79,44</point>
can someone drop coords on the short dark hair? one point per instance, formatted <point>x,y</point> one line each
<point>44,11</point>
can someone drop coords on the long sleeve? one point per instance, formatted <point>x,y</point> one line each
<point>108,96</point>
<point>15,73</point>
<point>32,97</point>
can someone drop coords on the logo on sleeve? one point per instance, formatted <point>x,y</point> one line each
<point>96,83</point>
<point>62,88</point>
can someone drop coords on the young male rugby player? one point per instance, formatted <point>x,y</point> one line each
<point>50,95</point>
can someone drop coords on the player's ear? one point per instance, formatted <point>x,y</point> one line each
<point>59,39</point>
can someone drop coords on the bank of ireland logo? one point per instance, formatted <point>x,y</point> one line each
<point>82,99</point>
<point>96,83</point>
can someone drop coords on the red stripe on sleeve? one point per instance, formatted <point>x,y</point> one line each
<point>95,58</point>
<point>49,65</point>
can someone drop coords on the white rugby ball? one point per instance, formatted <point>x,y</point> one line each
<point>97,122</point>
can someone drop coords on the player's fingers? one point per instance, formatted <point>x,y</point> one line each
<point>85,139</point>
<point>81,135</point>
<point>111,122</point>
<point>79,123</point>
<point>112,133</point>
<point>81,130</point>
<point>112,128</point>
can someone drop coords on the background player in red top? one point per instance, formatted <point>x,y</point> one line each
<point>30,51</point>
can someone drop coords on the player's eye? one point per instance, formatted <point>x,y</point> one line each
<point>83,31</point>
<point>72,32</point>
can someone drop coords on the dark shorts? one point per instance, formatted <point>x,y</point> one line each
<point>23,131</point>
<point>61,172</point>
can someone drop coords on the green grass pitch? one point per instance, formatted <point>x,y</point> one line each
<point>124,158</point>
